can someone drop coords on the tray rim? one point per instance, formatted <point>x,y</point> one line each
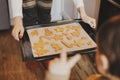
<point>47,57</point>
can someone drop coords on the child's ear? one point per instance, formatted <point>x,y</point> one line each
<point>105,63</point>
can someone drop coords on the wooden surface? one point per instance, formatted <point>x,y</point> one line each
<point>13,68</point>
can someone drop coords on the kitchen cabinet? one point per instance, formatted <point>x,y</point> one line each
<point>4,15</point>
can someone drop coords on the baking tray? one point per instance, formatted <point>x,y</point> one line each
<point>25,45</point>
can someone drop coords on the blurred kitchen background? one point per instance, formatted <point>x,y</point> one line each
<point>11,65</point>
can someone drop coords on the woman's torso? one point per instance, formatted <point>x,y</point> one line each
<point>36,12</point>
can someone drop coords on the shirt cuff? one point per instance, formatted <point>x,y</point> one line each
<point>15,8</point>
<point>18,14</point>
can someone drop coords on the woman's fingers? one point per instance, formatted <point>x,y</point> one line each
<point>18,28</point>
<point>63,56</point>
<point>73,60</point>
<point>21,33</point>
<point>15,33</point>
<point>18,32</point>
<point>92,23</point>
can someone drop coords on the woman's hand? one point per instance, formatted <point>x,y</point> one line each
<point>62,66</point>
<point>18,29</point>
<point>86,18</point>
<point>90,21</point>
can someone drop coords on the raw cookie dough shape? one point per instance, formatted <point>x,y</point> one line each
<point>56,46</point>
<point>34,33</point>
<point>48,32</point>
<point>68,45</point>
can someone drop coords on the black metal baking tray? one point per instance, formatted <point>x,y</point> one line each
<point>25,44</point>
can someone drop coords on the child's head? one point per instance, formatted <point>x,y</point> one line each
<point>108,52</point>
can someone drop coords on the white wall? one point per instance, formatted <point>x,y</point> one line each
<point>92,8</point>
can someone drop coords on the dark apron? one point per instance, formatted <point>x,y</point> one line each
<point>36,12</point>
